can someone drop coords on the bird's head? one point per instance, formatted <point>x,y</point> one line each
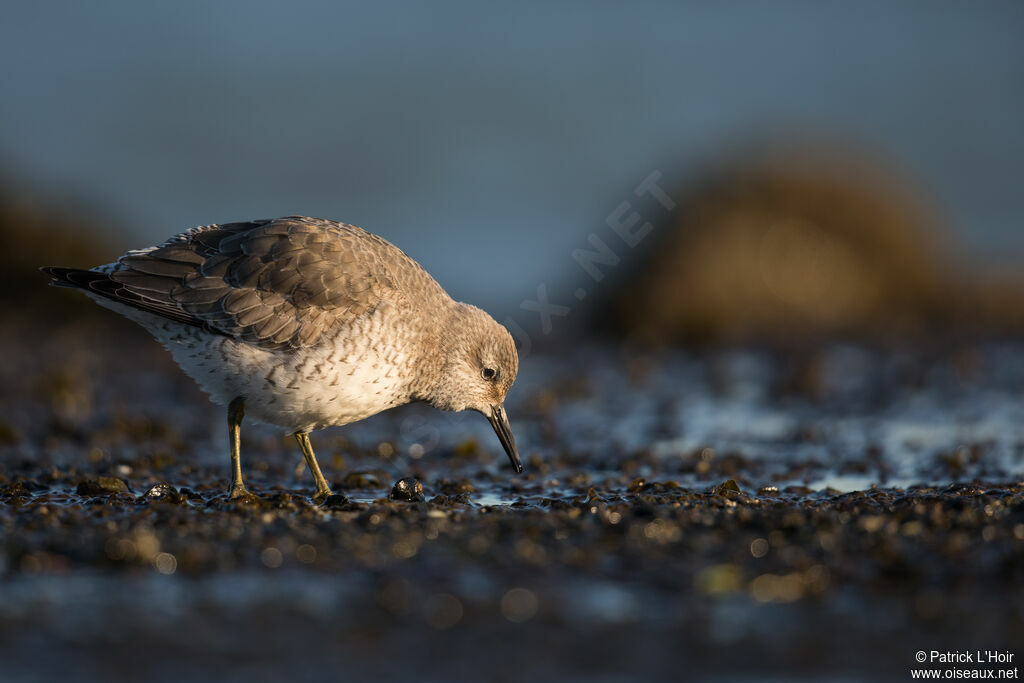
<point>480,365</point>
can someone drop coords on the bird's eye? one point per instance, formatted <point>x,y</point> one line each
<point>490,373</point>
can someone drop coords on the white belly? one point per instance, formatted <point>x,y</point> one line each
<point>303,390</point>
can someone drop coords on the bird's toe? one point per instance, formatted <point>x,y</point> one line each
<point>241,494</point>
<point>321,495</point>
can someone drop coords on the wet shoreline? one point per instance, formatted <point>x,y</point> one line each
<point>676,510</point>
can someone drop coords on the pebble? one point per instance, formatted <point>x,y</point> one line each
<point>165,493</point>
<point>408,489</point>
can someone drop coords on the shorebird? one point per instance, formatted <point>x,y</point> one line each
<point>306,323</point>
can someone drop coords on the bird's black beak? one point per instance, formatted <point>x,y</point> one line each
<point>499,421</point>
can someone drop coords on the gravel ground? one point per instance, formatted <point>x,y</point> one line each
<point>735,515</point>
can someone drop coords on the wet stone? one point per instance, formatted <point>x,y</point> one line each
<point>190,494</point>
<point>450,500</point>
<point>164,493</point>
<point>15,490</point>
<point>728,488</point>
<point>336,501</point>
<point>407,489</point>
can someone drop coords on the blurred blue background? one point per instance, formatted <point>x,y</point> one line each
<point>505,132</point>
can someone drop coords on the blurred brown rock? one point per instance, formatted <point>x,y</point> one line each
<point>41,231</point>
<point>796,247</point>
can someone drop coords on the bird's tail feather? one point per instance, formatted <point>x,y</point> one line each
<point>76,278</point>
<point>102,284</point>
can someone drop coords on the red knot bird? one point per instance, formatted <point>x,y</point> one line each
<point>306,323</point>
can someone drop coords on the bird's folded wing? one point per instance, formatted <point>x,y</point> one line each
<point>281,283</point>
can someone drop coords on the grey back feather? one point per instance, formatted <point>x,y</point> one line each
<point>281,283</point>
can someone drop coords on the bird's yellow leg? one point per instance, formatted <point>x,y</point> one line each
<point>322,489</point>
<point>236,411</point>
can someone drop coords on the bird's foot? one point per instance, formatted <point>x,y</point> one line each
<point>321,495</point>
<point>241,494</point>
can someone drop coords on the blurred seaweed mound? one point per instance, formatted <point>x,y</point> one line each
<point>40,232</point>
<point>796,247</point>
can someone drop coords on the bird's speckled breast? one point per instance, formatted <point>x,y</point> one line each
<point>362,370</point>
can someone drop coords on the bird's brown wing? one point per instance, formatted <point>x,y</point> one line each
<point>281,283</point>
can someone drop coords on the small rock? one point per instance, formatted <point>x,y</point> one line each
<point>14,490</point>
<point>165,493</point>
<point>101,486</point>
<point>445,500</point>
<point>335,501</point>
<point>408,489</point>
<point>729,486</point>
